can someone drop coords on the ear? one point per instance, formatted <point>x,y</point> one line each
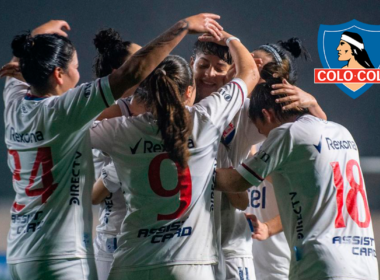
<point>58,75</point>
<point>268,115</point>
<point>188,95</point>
<point>192,62</point>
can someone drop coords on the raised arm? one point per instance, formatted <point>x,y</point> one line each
<point>298,98</point>
<point>246,68</point>
<point>143,62</point>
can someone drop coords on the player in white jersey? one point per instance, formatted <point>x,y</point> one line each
<point>273,254</point>
<point>319,187</point>
<point>168,231</point>
<point>112,52</point>
<point>46,123</point>
<point>210,64</point>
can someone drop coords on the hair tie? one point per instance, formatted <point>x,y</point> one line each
<point>272,51</point>
<point>160,71</point>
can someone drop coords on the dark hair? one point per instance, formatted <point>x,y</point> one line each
<point>167,84</point>
<point>214,49</point>
<point>112,52</point>
<point>288,52</point>
<point>361,56</point>
<point>142,96</point>
<point>40,55</point>
<point>263,99</point>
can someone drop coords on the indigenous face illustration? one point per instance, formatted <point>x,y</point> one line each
<point>344,51</point>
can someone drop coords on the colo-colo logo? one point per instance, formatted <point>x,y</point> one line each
<point>350,57</point>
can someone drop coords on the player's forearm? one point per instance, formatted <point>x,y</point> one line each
<point>238,200</point>
<point>99,192</point>
<point>317,111</point>
<point>245,65</point>
<point>143,62</point>
<point>230,181</point>
<point>274,226</point>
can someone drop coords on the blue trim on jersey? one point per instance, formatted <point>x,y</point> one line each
<point>33,97</point>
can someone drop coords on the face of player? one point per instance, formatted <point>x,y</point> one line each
<point>209,73</point>
<point>344,51</point>
<point>71,75</point>
<point>265,57</point>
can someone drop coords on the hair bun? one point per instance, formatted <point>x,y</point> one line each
<point>22,45</point>
<point>107,39</point>
<point>295,47</point>
<point>160,71</point>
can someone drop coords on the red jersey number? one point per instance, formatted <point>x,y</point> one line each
<point>43,158</point>
<point>183,186</point>
<point>352,196</point>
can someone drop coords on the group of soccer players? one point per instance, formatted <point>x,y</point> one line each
<point>175,163</point>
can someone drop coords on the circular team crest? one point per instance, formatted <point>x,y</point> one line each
<point>350,55</point>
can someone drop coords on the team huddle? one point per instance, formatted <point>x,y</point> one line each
<point>214,168</point>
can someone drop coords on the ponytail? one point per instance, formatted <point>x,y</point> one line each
<point>167,84</point>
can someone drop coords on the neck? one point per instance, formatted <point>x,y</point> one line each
<point>137,108</point>
<point>48,93</point>
<point>353,63</point>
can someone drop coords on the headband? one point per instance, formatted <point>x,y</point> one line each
<point>272,51</point>
<point>352,41</point>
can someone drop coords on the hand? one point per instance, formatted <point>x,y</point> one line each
<point>51,27</point>
<point>12,69</point>
<point>207,37</point>
<point>296,96</point>
<point>205,23</point>
<point>261,230</point>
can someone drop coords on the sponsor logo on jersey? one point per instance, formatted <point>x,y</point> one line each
<point>165,233</point>
<point>108,203</point>
<point>297,209</point>
<point>319,146</point>
<point>87,90</point>
<point>350,57</point>
<point>263,156</point>
<point>341,144</point>
<point>150,147</point>
<point>28,223</point>
<point>357,240</point>
<point>228,134</point>
<point>75,180</point>
<point>29,137</point>
<point>225,95</point>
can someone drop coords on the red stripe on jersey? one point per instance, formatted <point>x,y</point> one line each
<point>252,172</point>
<point>18,207</point>
<point>102,93</point>
<point>242,93</point>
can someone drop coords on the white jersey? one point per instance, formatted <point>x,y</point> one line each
<point>50,157</point>
<point>237,139</point>
<point>321,196</point>
<point>112,209</point>
<point>172,224</point>
<point>271,256</point>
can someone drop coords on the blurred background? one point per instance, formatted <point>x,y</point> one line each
<point>254,22</point>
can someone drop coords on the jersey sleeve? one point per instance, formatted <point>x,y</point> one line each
<point>124,106</point>
<point>222,106</point>
<point>250,129</point>
<point>110,179</point>
<point>103,134</point>
<point>79,106</point>
<point>14,89</point>
<point>275,150</point>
